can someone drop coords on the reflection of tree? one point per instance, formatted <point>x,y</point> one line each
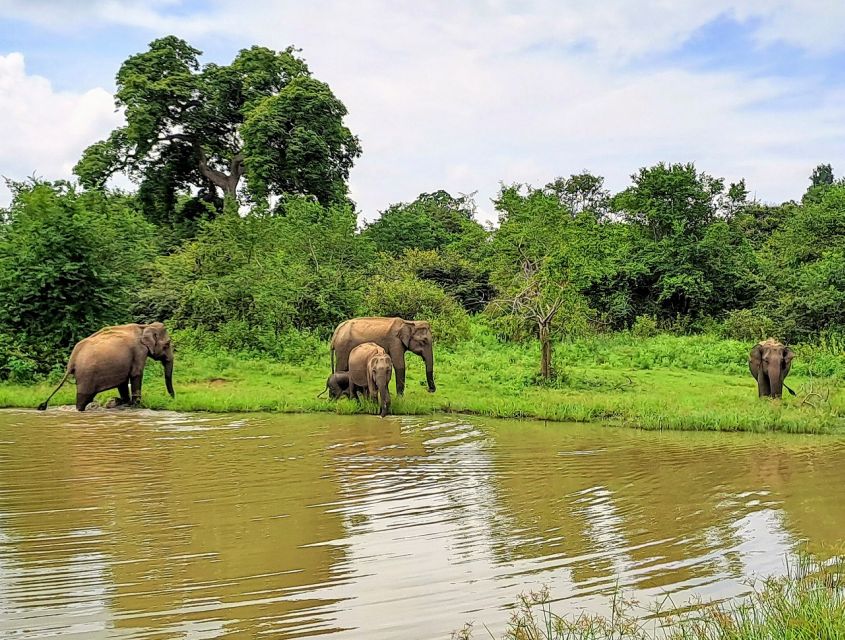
<point>222,523</point>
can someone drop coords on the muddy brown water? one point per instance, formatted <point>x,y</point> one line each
<point>135,524</point>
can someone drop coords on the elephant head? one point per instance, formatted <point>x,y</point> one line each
<point>769,363</point>
<point>417,338</point>
<point>159,347</point>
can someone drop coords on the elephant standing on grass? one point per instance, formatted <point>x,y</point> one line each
<point>114,358</point>
<point>394,335</point>
<point>769,362</point>
<point>370,368</point>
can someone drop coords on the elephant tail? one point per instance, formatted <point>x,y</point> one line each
<point>788,389</point>
<point>43,405</point>
<point>323,393</point>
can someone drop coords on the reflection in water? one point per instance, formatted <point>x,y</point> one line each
<point>138,524</point>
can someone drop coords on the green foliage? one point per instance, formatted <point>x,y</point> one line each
<point>748,324</point>
<point>803,267</point>
<point>304,269</point>
<point>432,221</point>
<point>466,281</point>
<point>187,126</point>
<point>687,256</point>
<point>70,263</point>
<point>580,193</point>
<point>543,262</point>
<point>295,143</point>
<point>644,327</point>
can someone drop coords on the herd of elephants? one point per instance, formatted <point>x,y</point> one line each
<point>364,354</point>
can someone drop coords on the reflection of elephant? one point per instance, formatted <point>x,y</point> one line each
<point>769,362</point>
<point>370,368</point>
<point>338,385</point>
<point>394,335</point>
<point>114,357</point>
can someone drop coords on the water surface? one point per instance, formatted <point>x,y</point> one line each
<point>136,524</point>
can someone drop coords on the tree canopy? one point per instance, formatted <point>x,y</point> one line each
<point>199,130</point>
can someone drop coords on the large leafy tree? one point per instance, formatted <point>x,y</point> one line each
<point>205,128</point>
<point>544,259</point>
<point>687,257</point>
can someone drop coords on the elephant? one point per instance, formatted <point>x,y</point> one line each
<point>337,385</point>
<point>114,357</point>
<point>394,335</point>
<point>769,363</point>
<point>379,369</point>
<point>370,368</point>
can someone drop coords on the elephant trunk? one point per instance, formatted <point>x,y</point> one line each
<point>428,357</point>
<point>775,373</point>
<point>168,377</point>
<point>384,397</point>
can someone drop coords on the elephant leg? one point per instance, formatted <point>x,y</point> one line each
<point>123,390</point>
<point>135,381</point>
<point>353,391</point>
<point>764,389</point>
<point>83,399</point>
<point>397,355</point>
<point>400,380</point>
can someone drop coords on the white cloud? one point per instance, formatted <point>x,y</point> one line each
<point>462,95</point>
<point>44,132</point>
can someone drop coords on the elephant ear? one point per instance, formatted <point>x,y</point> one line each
<point>788,355</point>
<point>406,332</point>
<point>755,359</point>
<point>149,338</point>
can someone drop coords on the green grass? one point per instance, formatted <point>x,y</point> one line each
<point>662,382</point>
<point>806,604</point>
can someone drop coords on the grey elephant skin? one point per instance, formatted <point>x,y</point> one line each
<point>769,363</point>
<point>394,335</point>
<point>114,358</point>
<point>369,369</point>
<point>338,385</point>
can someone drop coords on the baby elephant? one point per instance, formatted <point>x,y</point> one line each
<point>338,385</point>
<point>370,368</point>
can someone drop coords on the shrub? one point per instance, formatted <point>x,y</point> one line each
<point>70,264</point>
<point>644,327</point>
<point>747,324</point>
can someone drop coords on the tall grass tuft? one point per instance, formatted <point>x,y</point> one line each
<point>808,603</point>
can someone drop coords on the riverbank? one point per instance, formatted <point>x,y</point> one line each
<point>660,382</point>
<point>808,602</point>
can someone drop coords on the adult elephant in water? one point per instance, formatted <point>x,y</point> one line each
<point>114,358</point>
<point>394,335</point>
<point>769,363</point>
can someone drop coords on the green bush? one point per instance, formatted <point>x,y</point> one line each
<point>414,299</point>
<point>644,327</point>
<point>747,324</point>
<point>70,264</point>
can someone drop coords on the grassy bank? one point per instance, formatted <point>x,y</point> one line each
<point>660,382</point>
<point>807,603</point>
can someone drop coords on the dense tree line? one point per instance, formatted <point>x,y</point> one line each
<point>241,235</point>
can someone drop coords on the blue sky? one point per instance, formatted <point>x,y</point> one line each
<point>463,96</point>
